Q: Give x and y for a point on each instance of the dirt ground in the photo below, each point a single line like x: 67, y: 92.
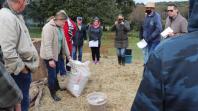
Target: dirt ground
x: 117, y: 82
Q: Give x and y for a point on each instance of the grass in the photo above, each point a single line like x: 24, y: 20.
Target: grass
x: 35, y: 32
x: 107, y: 48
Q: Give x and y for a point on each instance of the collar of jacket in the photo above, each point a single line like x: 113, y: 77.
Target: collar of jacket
x: 52, y: 22
x: 152, y: 14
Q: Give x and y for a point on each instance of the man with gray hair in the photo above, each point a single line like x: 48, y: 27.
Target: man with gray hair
x: 20, y: 55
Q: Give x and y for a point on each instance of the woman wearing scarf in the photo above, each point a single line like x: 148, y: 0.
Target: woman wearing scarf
x: 95, y: 34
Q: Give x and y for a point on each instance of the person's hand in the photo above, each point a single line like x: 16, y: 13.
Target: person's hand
x: 171, y: 34
x: 18, y: 107
x: 25, y: 70
x: 52, y: 64
x: 116, y: 22
x: 69, y: 58
x: 122, y: 23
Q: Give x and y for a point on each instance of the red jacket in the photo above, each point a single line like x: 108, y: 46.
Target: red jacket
x: 67, y: 36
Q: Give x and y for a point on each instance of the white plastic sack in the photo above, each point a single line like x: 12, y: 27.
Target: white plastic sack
x: 79, y: 77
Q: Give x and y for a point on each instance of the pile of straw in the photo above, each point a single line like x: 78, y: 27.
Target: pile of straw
x: 118, y: 83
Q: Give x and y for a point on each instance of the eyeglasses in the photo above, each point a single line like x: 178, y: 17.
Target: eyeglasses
x: 169, y: 10
x: 26, y: 2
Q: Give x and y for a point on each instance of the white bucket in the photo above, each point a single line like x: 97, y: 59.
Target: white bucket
x: 97, y: 101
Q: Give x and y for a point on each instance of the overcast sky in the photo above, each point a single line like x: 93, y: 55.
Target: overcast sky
x: 144, y: 1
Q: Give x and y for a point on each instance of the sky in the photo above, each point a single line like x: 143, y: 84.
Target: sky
x: 144, y: 1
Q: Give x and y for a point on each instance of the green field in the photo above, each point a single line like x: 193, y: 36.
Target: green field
x: 107, y: 47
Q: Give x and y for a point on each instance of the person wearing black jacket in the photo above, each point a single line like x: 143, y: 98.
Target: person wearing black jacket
x: 78, y: 40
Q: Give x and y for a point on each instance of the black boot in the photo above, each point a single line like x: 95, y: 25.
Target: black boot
x: 54, y: 96
x: 119, y: 60
x: 57, y: 86
x: 123, y: 61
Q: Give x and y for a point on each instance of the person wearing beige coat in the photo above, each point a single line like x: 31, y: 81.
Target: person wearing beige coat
x: 49, y: 44
x: 20, y: 55
x: 53, y: 46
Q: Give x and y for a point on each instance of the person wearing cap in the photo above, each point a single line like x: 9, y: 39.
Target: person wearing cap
x: 170, y: 80
x: 20, y: 55
x: 53, y: 44
x: 95, y: 35
x: 175, y: 21
x: 78, y: 39
x: 151, y: 29
x: 122, y: 27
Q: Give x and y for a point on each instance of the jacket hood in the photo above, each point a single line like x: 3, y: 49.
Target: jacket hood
x: 193, y: 16
x: 51, y: 22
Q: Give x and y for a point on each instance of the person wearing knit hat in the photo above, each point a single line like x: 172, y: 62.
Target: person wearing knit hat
x: 170, y: 81
x: 78, y: 39
x: 152, y: 28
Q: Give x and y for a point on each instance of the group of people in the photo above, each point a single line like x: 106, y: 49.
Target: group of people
x: 169, y: 80
x: 61, y: 37
x: 152, y: 27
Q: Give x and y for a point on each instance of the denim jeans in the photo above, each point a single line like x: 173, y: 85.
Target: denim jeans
x: 75, y: 50
x: 52, y: 75
x: 148, y: 50
x: 24, y: 81
x: 121, y: 52
x: 146, y: 54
